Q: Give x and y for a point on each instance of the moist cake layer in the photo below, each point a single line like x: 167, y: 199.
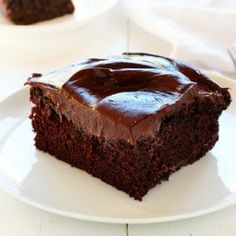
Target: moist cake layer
x: 183, y: 138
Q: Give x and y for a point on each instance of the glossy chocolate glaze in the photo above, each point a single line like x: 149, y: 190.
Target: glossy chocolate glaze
x: 128, y: 96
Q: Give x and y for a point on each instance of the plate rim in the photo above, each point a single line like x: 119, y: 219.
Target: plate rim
x: 225, y: 202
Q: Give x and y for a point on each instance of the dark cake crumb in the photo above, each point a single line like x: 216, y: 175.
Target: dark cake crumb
x: 184, y: 138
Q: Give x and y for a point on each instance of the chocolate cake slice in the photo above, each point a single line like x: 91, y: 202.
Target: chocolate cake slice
x: 130, y: 120
x: 25, y: 12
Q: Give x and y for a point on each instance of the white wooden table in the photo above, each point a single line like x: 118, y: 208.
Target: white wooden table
x: 110, y: 34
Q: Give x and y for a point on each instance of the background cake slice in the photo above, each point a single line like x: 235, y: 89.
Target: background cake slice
x: 24, y: 12
x: 130, y: 120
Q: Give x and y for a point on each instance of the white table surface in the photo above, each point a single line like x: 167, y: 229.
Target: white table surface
x: 110, y: 34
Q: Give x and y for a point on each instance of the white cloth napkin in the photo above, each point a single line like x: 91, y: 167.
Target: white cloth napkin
x: 199, y: 31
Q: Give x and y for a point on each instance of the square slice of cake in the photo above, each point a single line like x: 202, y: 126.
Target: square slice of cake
x: 130, y: 120
x: 25, y: 12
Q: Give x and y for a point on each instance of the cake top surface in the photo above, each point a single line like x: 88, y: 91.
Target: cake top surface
x: 129, y: 89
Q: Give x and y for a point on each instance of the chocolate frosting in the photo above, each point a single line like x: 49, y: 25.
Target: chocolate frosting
x: 125, y: 97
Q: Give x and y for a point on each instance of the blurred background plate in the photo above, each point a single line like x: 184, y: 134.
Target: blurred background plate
x: 96, y: 29
x: 85, y: 10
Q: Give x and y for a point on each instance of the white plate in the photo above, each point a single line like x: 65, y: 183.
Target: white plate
x: 42, y: 181
x: 84, y: 11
